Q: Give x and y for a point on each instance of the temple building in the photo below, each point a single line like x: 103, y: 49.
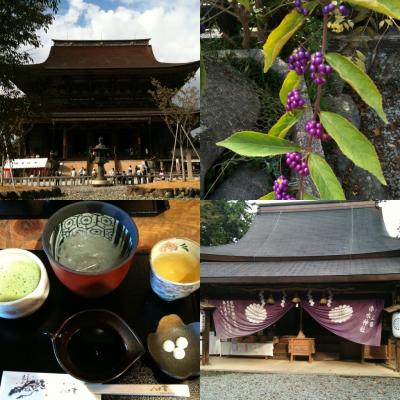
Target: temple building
x: 320, y: 280
x: 91, y: 88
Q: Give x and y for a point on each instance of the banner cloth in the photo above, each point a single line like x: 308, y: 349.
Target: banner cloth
x: 236, y: 318
x: 358, y: 320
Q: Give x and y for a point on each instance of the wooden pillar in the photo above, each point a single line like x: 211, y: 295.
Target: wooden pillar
x: 208, y: 310
x: 150, y: 148
x: 65, y: 144
x: 397, y: 352
x: 189, y: 164
x: 205, y: 357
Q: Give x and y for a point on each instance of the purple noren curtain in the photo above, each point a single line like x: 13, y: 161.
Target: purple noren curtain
x: 235, y: 318
x: 357, y: 320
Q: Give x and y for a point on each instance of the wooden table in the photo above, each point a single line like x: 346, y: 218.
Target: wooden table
x: 301, y: 347
x: 182, y: 219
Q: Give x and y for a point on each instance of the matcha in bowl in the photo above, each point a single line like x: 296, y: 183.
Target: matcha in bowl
x: 24, y: 284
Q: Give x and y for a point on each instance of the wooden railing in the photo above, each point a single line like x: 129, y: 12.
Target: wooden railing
x: 83, y: 180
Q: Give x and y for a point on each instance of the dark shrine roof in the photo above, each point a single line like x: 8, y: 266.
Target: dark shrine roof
x: 336, y: 242
x: 105, y: 54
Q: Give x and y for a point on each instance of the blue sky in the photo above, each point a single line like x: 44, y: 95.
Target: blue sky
x: 173, y: 26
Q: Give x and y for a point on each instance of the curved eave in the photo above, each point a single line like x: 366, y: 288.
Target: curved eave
x: 252, y: 280
x: 161, y: 67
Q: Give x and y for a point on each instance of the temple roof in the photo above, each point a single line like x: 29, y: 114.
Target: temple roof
x: 310, y: 231
x: 105, y: 54
x: 102, y: 74
x: 338, y: 242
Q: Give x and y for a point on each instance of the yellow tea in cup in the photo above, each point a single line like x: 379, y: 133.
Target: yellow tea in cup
x: 177, y: 267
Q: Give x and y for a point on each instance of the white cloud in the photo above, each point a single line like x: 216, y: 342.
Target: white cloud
x: 173, y: 26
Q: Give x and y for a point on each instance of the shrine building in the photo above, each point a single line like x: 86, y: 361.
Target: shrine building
x: 91, y: 88
x: 319, y: 280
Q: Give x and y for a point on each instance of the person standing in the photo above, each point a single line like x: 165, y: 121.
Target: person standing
x: 144, y: 173
x: 139, y: 174
x: 130, y: 178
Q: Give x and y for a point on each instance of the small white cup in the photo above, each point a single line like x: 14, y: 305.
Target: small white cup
x: 31, y: 302
x: 164, y: 288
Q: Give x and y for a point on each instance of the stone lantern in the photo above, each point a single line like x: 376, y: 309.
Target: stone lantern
x: 100, y: 155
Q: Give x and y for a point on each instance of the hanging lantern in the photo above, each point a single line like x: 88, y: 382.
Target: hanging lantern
x: 323, y: 301
x: 396, y: 324
x: 270, y: 300
x: 296, y: 300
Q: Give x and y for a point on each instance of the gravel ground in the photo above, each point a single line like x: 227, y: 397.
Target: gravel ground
x: 247, y: 386
x: 91, y: 193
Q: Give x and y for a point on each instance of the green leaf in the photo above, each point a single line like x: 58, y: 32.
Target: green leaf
x: 281, y: 35
x: 256, y: 144
x: 282, y: 126
x: 309, y: 197
x: 390, y: 8
x: 292, y: 81
x: 203, y: 75
x: 352, y: 143
x: 324, y: 178
x: 268, y: 196
x: 358, y: 80
x: 245, y: 4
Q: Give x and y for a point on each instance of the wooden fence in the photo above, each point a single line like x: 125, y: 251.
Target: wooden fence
x: 84, y: 180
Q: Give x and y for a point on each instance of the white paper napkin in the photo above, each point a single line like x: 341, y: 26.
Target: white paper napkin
x: 43, y: 386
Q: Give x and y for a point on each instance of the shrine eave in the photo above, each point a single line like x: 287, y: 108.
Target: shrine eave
x: 99, y: 115
x: 312, y: 271
x: 41, y: 69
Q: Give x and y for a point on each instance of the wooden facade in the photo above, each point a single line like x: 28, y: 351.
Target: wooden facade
x: 87, y: 89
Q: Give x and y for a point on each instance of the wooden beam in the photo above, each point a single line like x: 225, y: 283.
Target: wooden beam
x: 301, y: 279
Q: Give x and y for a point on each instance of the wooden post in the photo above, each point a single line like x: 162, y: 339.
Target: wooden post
x: 182, y: 159
x: 205, y: 358
x: 65, y: 144
x: 189, y: 164
x: 397, y: 355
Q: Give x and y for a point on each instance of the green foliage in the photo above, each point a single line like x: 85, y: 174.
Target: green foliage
x: 245, y: 4
x: 20, y: 22
x: 256, y: 144
x: 283, y: 125
x: 324, y: 178
x: 280, y: 36
x: 352, y: 143
x: 268, y: 196
x: 349, y: 139
x: 223, y: 222
x: 291, y: 82
x: 391, y: 8
x: 359, y: 81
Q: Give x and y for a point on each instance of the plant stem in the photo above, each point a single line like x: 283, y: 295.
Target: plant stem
x: 317, y: 103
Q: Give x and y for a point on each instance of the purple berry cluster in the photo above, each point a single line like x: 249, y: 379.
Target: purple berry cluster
x: 294, y: 101
x: 319, y: 69
x: 315, y: 128
x: 295, y: 161
x: 344, y: 10
x: 299, y: 8
x: 281, y: 189
x: 328, y: 8
x: 298, y: 61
